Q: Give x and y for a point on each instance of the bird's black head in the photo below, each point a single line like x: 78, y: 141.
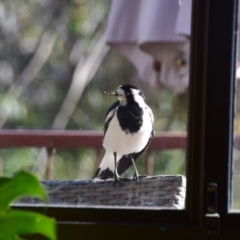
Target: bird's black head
x: 129, y: 94
x: 127, y: 87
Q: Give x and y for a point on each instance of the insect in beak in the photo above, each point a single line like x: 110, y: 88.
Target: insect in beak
x: 111, y: 93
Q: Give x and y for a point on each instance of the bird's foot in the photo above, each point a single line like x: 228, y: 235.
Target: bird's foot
x: 117, y: 180
x: 120, y: 180
x: 135, y: 177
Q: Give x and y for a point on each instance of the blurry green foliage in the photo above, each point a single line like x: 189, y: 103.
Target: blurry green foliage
x: 13, y: 222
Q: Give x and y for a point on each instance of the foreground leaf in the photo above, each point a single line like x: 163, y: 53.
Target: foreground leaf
x: 22, y: 184
x: 3, y: 180
x: 14, y: 223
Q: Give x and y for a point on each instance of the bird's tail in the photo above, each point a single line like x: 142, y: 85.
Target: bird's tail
x: 106, y: 168
x: 107, y: 165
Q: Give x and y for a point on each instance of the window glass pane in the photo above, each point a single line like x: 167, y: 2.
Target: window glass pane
x: 57, y: 59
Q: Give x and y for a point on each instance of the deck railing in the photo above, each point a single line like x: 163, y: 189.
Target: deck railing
x: 55, y: 139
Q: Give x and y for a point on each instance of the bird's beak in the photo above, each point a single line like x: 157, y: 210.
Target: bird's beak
x: 111, y: 93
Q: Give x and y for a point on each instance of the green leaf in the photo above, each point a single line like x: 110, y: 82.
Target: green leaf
x: 14, y: 223
x: 3, y: 180
x: 23, y: 183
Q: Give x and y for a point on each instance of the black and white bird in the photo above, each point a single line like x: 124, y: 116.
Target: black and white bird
x: 128, y: 130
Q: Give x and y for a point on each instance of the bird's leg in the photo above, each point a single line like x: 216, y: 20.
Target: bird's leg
x: 116, y: 176
x: 115, y: 166
x: 136, y: 175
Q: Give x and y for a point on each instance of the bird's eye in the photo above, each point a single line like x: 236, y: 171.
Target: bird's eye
x: 127, y: 93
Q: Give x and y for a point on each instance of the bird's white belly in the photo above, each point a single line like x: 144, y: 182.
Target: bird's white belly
x: 116, y: 140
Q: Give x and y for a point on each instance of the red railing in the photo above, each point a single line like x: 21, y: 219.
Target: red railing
x: 52, y: 139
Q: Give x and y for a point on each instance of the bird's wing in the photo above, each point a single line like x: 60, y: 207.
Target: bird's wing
x: 125, y: 162
x: 110, y: 114
x: 149, y: 110
x: 105, y: 170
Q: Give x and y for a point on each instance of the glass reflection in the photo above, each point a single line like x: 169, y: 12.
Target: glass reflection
x: 53, y: 73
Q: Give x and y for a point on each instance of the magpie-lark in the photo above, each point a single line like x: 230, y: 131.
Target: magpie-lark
x: 128, y: 130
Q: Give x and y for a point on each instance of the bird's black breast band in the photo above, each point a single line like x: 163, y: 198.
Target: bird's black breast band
x: 130, y: 118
